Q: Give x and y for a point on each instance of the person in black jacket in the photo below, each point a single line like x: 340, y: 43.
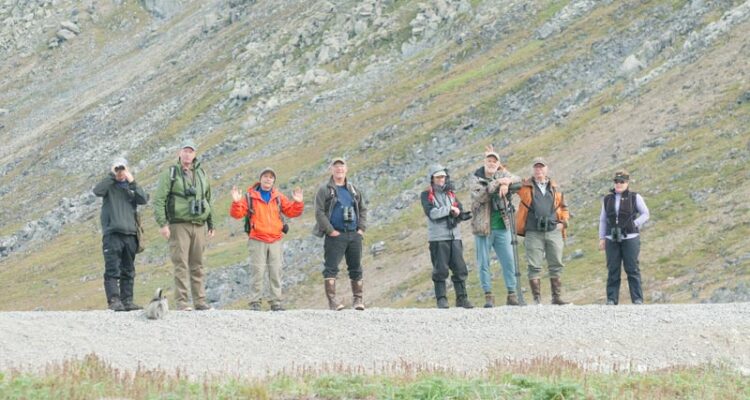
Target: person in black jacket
x: 121, y: 196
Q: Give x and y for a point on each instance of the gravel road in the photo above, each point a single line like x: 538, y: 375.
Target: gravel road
x: 245, y: 343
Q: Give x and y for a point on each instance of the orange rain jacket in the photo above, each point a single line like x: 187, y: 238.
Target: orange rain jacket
x: 266, y: 223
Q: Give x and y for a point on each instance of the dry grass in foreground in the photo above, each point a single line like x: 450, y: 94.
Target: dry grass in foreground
x: 553, y: 379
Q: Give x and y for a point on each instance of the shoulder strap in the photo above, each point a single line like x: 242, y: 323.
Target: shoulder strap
x: 249, y: 204
x: 172, y: 177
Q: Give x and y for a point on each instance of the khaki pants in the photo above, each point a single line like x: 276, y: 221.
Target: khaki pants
x: 541, y: 246
x: 186, y: 244
x: 265, y: 258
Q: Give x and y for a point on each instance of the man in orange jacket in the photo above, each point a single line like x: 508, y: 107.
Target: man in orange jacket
x: 267, y: 228
x: 542, y: 219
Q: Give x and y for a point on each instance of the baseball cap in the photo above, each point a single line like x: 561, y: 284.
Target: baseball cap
x: 539, y: 160
x: 267, y: 169
x: 189, y: 143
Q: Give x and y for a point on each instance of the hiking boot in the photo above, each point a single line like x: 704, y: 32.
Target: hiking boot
x: 116, y: 305
x: 330, y: 288
x: 357, y: 295
x: 556, y: 286
x: 611, y: 303
x: 130, y: 306
x: 536, y: 290
x: 203, y: 307
x: 277, y: 307
x: 512, y: 299
x: 442, y: 302
x: 255, y: 306
x: 638, y: 302
x: 489, y: 300
x: 463, y: 302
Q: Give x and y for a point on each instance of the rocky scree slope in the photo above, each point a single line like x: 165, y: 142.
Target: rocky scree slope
x: 658, y: 87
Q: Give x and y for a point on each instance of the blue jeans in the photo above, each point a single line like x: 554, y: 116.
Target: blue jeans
x: 500, y: 241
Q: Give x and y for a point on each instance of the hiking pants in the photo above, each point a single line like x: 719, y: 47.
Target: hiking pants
x: 265, y: 260
x: 119, y: 258
x: 624, y: 254
x: 445, y: 255
x: 499, y: 240
x: 346, y: 245
x: 187, y: 242
x: 541, y: 246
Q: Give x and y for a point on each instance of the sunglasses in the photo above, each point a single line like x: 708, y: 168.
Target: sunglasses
x: 620, y: 181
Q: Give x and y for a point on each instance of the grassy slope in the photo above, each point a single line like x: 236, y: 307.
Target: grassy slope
x: 681, y: 246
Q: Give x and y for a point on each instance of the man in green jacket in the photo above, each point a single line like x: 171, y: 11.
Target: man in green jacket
x: 182, y: 207
x: 120, y: 199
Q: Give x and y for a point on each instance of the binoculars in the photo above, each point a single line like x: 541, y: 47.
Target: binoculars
x: 190, y: 191
x: 617, y: 235
x: 119, y: 168
x: 349, y: 214
x: 196, y: 207
x: 545, y: 224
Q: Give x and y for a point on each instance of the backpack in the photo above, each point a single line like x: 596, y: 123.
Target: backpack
x: 248, y: 225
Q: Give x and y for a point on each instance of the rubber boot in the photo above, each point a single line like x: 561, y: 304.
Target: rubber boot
x: 126, y: 294
x: 330, y: 287
x: 556, y: 286
x: 536, y: 290
x: 512, y: 299
x: 462, y: 300
x: 112, y: 290
x: 357, y: 294
x: 489, y: 300
x: 441, y: 294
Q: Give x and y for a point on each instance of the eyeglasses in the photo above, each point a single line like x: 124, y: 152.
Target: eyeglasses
x: 620, y: 181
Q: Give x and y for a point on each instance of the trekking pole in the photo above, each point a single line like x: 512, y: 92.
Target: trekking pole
x: 514, y: 243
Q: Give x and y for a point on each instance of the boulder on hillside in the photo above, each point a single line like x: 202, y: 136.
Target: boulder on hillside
x: 631, y: 66
x: 64, y: 34
x: 71, y: 26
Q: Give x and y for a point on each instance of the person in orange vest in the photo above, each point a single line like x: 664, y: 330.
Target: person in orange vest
x: 266, y: 228
x: 542, y: 220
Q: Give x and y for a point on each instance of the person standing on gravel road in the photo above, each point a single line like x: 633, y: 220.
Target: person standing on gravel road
x: 490, y: 225
x: 341, y: 217
x: 264, y: 207
x: 622, y: 216
x: 542, y: 219
x: 444, y: 212
x: 182, y: 208
x: 121, y: 196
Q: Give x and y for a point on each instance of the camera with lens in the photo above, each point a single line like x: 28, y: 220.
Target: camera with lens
x: 349, y: 214
x: 190, y: 191
x: 196, y: 207
x: 617, y: 235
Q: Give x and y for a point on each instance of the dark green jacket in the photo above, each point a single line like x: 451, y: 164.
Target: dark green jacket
x: 119, y: 205
x: 172, y: 202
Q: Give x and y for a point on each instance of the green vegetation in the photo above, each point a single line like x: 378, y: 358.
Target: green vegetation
x: 92, y: 378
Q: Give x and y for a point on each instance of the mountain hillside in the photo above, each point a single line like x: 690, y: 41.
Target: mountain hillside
x: 660, y: 87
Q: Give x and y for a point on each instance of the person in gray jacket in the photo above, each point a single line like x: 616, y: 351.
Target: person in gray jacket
x: 444, y: 212
x: 121, y: 196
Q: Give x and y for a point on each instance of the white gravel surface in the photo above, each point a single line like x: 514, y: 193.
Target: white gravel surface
x: 245, y: 343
